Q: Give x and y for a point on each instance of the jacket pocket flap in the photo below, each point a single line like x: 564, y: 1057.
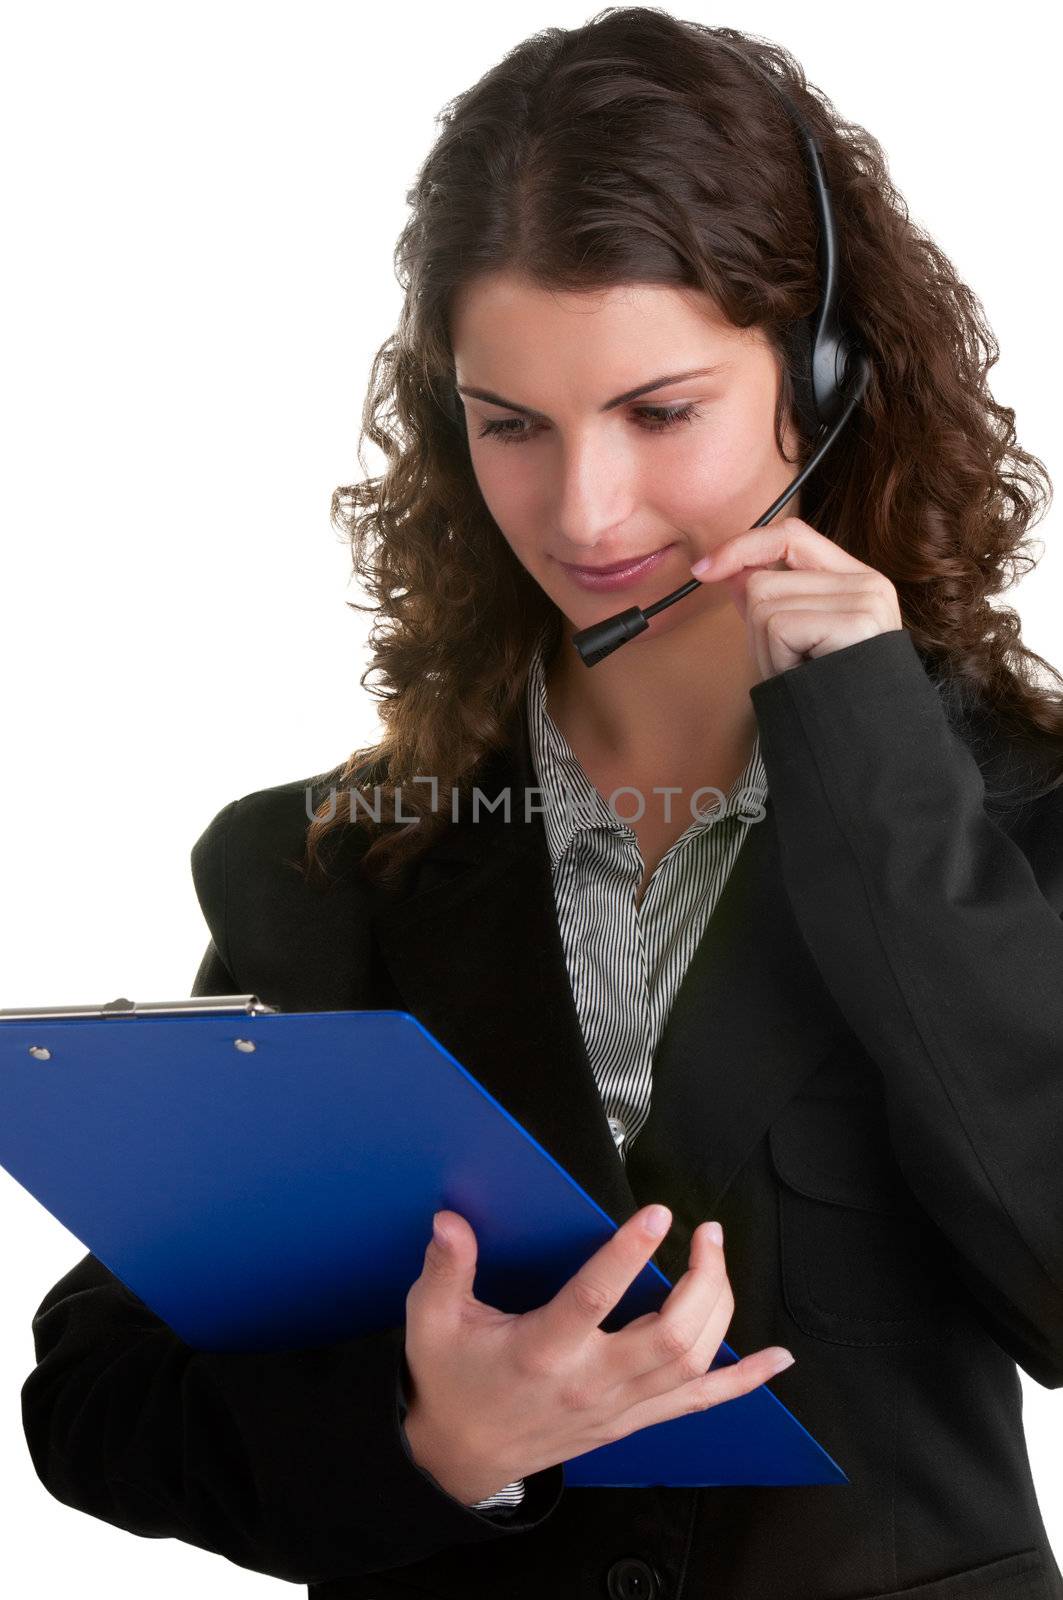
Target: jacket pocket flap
x: 1018, y: 1577
x: 839, y: 1153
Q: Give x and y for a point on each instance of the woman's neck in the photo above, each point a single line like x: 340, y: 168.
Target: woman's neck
x: 666, y: 703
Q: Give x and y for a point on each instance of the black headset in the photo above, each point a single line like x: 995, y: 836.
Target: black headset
x: 831, y: 372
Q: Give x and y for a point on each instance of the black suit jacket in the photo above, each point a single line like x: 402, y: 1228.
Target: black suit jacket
x: 861, y: 1077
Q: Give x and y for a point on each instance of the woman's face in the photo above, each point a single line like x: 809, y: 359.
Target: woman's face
x: 575, y: 476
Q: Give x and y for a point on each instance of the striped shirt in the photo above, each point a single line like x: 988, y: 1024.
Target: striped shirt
x: 625, y: 962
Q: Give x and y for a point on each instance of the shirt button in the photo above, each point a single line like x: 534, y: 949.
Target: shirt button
x: 618, y: 1131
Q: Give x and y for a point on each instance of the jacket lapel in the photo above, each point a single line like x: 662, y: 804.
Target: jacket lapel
x: 472, y: 944
x: 752, y: 1020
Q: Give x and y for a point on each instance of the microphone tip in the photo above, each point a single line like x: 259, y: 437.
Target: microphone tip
x: 602, y: 638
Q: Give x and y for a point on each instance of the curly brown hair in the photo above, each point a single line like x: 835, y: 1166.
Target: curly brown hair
x: 633, y: 149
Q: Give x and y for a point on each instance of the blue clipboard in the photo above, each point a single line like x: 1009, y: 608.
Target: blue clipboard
x: 266, y: 1180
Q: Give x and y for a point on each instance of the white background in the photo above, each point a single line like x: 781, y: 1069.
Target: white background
x: 200, y: 203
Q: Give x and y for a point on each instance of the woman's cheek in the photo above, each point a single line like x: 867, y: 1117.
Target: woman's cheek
x: 506, y: 504
x: 512, y: 499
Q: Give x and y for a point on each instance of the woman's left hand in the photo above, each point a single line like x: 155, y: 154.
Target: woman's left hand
x: 801, y: 595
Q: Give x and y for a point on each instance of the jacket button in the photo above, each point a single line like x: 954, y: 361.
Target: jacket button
x: 632, y: 1579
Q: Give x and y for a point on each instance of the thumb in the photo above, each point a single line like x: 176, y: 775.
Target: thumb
x: 451, y: 1254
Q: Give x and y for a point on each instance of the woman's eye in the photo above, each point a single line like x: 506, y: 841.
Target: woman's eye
x: 652, y: 419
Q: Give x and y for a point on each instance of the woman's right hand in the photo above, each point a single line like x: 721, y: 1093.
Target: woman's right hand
x: 495, y: 1396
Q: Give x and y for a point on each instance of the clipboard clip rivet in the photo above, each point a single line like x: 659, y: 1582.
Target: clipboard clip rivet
x: 244, y: 1044
x: 40, y: 1052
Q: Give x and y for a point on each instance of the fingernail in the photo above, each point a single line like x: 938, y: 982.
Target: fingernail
x: 715, y: 1232
x: 656, y: 1221
x: 440, y: 1235
x: 701, y: 566
x: 782, y: 1360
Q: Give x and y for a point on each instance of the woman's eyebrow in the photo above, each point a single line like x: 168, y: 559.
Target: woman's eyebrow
x: 617, y: 400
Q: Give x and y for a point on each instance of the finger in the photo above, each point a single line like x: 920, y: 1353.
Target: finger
x: 682, y: 1340
x: 649, y: 1342
x: 791, y: 542
x: 625, y: 1346
x: 449, y: 1270
x: 759, y: 581
x: 794, y: 635
x: 753, y: 588
x: 764, y: 601
x: 565, y: 1323
x: 712, y: 1389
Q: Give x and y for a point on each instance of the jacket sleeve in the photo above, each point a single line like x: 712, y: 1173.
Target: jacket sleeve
x: 292, y: 1463
x: 944, y: 951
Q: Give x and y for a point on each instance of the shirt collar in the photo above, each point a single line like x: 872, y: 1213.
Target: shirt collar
x: 571, y: 803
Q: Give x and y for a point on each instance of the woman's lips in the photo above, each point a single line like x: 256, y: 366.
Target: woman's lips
x: 622, y: 576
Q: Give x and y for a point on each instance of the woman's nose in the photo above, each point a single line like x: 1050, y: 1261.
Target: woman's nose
x: 595, y: 490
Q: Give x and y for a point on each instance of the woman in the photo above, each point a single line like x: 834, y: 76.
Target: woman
x: 824, y: 1013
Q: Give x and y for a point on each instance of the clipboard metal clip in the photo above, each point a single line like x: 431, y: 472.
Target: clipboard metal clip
x: 245, y: 1004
